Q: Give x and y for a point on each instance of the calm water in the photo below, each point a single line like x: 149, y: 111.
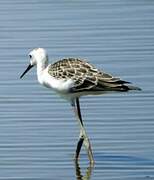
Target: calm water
x: 38, y: 131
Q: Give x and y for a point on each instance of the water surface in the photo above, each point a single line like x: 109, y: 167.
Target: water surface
x: 38, y: 131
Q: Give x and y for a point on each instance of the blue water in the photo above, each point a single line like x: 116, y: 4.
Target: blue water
x: 38, y: 130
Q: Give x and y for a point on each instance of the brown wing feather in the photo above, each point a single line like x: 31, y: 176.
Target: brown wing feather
x: 85, y: 76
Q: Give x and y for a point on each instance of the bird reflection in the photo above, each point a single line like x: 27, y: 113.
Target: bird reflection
x: 79, y: 175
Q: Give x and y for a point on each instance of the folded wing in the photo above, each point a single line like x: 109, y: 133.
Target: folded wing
x: 86, y: 77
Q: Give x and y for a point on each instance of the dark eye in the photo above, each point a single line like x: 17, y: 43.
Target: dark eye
x: 30, y: 56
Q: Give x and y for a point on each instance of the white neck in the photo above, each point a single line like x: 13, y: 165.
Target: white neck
x: 40, y: 68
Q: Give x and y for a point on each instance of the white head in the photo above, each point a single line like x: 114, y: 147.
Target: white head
x: 37, y: 56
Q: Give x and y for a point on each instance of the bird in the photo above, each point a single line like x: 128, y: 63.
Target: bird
x: 73, y: 78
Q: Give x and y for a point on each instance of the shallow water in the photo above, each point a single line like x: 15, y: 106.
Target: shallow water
x: 38, y: 131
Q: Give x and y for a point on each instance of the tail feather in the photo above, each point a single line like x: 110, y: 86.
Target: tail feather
x: 130, y: 87
x: 126, y: 88
x: 115, y: 84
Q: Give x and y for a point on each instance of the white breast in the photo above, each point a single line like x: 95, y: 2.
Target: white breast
x: 59, y: 85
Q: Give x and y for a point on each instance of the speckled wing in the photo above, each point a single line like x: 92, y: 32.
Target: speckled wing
x: 85, y: 76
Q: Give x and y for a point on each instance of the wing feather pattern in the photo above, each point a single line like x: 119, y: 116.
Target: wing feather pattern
x: 86, y: 77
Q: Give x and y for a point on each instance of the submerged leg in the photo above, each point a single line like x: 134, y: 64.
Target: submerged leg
x: 83, y: 138
x: 78, y: 148
x: 86, y: 176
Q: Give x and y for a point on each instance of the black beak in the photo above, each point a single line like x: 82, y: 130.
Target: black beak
x: 28, y: 68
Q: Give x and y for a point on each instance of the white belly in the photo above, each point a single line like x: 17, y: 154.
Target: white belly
x: 59, y: 85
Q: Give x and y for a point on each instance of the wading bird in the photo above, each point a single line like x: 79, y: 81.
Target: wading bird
x: 72, y: 78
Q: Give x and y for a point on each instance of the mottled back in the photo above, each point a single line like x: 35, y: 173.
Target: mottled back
x: 85, y: 76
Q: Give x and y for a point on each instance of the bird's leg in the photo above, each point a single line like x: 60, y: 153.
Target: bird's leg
x: 79, y: 175
x: 83, y: 133
x: 78, y: 148
x: 83, y: 138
